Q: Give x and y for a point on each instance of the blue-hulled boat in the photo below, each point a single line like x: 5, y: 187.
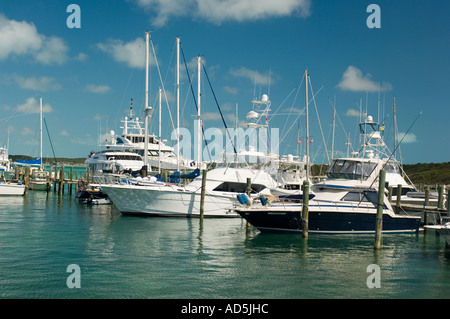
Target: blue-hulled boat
x: 344, y: 203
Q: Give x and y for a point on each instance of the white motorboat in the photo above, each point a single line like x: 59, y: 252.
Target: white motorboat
x: 443, y: 230
x: 222, y: 186
x: 12, y: 189
x: 114, y: 161
x: 39, y: 180
x: 344, y: 203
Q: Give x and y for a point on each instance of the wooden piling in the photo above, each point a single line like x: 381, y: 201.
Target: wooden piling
x: 61, y: 181
x: 27, y: 178
x: 248, y: 191
x: 55, y: 179
x: 249, y: 187
x: 398, y: 204
x: 305, y: 209
x: 448, y: 201
x: 427, y: 196
x: 440, y: 203
x: 202, y: 198
x: 70, y: 180
x: 391, y: 189
x: 380, y: 204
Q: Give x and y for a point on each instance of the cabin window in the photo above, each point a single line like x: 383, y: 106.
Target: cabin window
x: 238, y: 187
x: 123, y: 158
x: 350, y: 169
x: 354, y: 197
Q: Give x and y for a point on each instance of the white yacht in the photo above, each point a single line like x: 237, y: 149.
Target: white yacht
x: 132, y: 139
x: 223, y: 184
x: 114, y: 161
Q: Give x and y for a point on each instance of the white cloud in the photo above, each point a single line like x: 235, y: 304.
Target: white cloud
x: 64, y: 133
x: 353, y: 112
x: 231, y: 90
x: 32, y: 106
x: 22, y: 38
x: 409, y: 138
x: 42, y: 84
x: 26, y: 131
x: 254, y: 76
x: 219, y: 11
x: 53, y: 51
x: 99, y: 89
x: 354, y: 80
x: 132, y: 53
x: 81, y: 56
x: 210, y: 116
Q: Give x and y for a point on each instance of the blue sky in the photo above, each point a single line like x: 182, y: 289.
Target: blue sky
x: 87, y: 76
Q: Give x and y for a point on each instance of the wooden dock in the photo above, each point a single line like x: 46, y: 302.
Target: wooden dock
x: 56, y: 179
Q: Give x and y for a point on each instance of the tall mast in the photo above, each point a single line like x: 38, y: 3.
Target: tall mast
x: 307, y: 126
x: 147, y: 108
x: 159, y: 135
x: 40, y: 131
x: 334, y: 126
x: 178, y: 103
x: 199, y: 124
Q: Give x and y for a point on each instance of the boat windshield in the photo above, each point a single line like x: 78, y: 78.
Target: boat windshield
x: 392, y: 167
x: 348, y: 169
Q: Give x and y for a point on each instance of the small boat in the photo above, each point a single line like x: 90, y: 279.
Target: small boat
x: 12, y: 189
x: 443, y: 230
x: 39, y: 180
x: 91, y: 194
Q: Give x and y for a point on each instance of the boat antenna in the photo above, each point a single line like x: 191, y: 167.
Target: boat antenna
x: 392, y: 153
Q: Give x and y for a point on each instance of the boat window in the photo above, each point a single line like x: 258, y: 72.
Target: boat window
x: 392, y: 168
x: 238, y: 187
x: 350, y: 169
x: 123, y: 157
x: 354, y: 197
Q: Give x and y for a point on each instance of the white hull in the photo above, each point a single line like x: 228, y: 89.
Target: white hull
x: 168, y: 201
x: 39, y: 186
x: 443, y: 230
x: 12, y: 189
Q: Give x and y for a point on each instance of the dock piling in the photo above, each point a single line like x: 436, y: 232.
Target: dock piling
x: 380, y: 204
x: 305, y: 209
x: 202, y: 198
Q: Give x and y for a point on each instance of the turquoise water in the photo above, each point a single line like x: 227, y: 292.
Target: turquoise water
x: 166, y: 258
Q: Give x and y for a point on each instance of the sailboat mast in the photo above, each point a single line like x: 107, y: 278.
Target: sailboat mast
x: 178, y: 104
x: 199, y: 124
x: 147, y: 49
x: 159, y: 135
x: 40, y: 131
x: 307, y: 126
x: 334, y: 127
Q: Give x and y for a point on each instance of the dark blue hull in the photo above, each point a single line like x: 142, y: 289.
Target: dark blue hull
x: 328, y: 222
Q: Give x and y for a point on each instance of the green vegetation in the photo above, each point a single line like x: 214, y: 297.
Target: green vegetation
x: 428, y: 173
x: 425, y: 173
